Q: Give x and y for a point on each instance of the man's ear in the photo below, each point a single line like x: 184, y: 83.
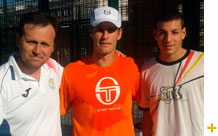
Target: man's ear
x: 120, y: 33
x: 184, y: 32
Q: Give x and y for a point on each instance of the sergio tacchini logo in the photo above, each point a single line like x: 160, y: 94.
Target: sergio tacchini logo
x: 107, y: 12
x: 104, y: 94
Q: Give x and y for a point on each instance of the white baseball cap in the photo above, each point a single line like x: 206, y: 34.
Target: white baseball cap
x: 105, y: 14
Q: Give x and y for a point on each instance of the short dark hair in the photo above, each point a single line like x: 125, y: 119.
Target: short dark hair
x: 169, y: 15
x: 37, y: 18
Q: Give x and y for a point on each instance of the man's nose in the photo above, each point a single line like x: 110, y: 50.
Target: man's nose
x: 105, y: 34
x: 37, y: 49
x: 168, y: 37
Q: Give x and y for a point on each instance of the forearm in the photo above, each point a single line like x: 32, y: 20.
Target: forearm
x: 147, y: 124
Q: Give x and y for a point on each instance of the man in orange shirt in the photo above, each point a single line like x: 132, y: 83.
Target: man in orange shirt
x: 99, y: 89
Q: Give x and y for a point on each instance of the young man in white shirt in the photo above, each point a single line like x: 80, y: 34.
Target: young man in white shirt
x: 172, y: 84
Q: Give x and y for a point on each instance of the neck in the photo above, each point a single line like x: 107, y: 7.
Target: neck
x: 28, y: 70
x: 103, y: 60
x: 172, y: 57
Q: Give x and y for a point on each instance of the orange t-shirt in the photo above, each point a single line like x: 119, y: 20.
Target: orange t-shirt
x: 100, y: 97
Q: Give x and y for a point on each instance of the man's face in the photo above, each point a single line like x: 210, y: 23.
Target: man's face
x: 36, y: 45
x: 105, y: 36
x: 169, y: 36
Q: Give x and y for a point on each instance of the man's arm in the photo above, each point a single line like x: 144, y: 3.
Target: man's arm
x: 147, y: 123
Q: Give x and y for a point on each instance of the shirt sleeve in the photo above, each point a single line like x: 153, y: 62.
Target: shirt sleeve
x: 135, y: 77
x: 144, y: 91
x: 65, y: 101
x: 2, y: 107
x: 136, y: 95
x: 60, y: 72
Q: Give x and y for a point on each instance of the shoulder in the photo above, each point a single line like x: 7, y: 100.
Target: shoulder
x: 126, y: 60
x: 77, y: 65
x: 54, y: 65
x: 127, y: 63
x: 3, y: 66
x: 149, y: 64
x: 4, y: 69
x: 198, y: 52
x: 198, y: 55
